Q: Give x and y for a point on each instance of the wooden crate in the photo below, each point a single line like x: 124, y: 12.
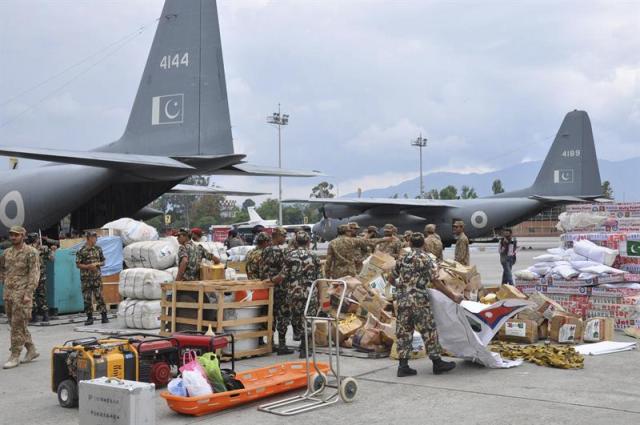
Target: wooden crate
x: 170, y: 305
x: 110, y: 289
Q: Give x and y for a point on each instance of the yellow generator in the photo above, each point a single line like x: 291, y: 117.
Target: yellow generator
x: 89, y: 358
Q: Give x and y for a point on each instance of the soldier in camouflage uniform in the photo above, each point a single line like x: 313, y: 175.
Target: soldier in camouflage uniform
x: 20, y: 272
x: 301, y: 268
x: 462, y: 243
x: 392, y: 244
x: 412, y: 274
x: 40, y: 294
x: 272, y: 263
x: 344, y: 251
x: 190, y: 257
x: 254, y: 258
x: 89, y: 260
x: 432, y: 242
x: 361, y: 251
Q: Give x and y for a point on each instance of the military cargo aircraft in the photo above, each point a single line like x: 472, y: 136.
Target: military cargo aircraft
x: 569, y: 174
x: 179, y: 126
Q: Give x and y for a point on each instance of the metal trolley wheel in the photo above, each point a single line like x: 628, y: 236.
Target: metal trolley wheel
x: 348, y: 389
x: 318, y: 382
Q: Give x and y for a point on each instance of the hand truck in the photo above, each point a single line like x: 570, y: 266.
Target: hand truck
x: 346, y: 388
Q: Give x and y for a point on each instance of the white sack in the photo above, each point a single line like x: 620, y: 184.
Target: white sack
x: 540, y: 270
x: 567, y: 272
x: 548, y: 258
x: 143, y: 284
x: 594, y: 252
x: 602, y: 269
x: 526, y: 275
x: 133, y: 231
x: 159, y: 255
x: 140, y: 314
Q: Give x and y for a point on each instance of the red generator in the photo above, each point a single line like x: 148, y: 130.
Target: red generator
x: 201, y: 343
x: 158, y: 357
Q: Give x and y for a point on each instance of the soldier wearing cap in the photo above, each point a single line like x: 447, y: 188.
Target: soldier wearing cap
x: 406, y: 239
x: 392, y: 245
x: 462, y: 243
x: 271, y: 266
x: 89, y: 260
x: 196, y: 234
x: 432, y: 242
x: 20, y: 271
x: 40, y: 294
x: 254, y: 258
x: 411, y: 277
x: 301, y: 268
x: 190, y: 257
x: 343, y: 253
x: 372, y: 232
x: 361, y: 251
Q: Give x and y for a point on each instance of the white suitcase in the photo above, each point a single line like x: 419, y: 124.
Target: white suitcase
x: 114, y: 401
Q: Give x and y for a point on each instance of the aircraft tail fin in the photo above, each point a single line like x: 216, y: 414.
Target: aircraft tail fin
x: 253, y: 214
x: 181, y: 107
x: 571, y: 166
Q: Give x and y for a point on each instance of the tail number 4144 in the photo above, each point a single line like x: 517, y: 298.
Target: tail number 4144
x: 175, y: 61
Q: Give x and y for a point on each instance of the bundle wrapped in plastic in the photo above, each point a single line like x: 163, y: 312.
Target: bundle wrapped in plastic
x: 143, y: 284
x: 568, y: 222
x: 132, y: 230
x: 216, y: 248
x: 159, y: 255
x: 140, y: 314
x: 594, y: 252
x: 239, y: 253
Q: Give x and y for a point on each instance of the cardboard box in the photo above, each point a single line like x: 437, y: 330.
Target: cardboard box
x: 238, y: 266
x: 519, y: 330
x: 348, y: 327
x: 565, y: 329
x: 598, y: 329
x: 509, y: 291
x: 545, y: 305
x: 543, y: 331
x: 374, y: 266
x: 68, y: 243
x: 212, y: 272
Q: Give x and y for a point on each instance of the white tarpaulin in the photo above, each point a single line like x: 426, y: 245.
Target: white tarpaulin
x: 466, y: 329
x: 605, y: 347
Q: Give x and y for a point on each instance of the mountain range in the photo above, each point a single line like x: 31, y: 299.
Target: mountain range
x: 621, y: 175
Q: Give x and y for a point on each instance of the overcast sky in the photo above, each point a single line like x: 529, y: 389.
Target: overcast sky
x: 488, y: 83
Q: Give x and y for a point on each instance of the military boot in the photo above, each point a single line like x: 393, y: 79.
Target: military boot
x: 283, y: 350
x: 105, y: 319
x: 440, y: 366
x: 31, y: 355
x: 34, y: 317
x: 89, y: 320
x: 45, y: 316
x: 405, y: 370
x: 13, y: 361
x: 305, y: 349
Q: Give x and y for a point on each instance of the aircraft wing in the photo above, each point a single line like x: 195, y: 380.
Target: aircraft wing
x: 567, y: 198
x: 95, y: 159
x: 366, y: 203
x: 244, y: 169
x: 188, y: 189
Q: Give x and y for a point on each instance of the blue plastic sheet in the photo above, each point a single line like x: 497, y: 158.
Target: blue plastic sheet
x: 113, y: 254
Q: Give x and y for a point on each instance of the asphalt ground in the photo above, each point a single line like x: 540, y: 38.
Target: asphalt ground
x: 607, y: 390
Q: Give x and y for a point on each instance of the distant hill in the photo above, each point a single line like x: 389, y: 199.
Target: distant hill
x: 621, y: 174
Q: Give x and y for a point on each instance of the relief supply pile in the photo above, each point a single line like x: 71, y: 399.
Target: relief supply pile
x: 596, y: 270
x: 367, y: 320
x: 148, y: 261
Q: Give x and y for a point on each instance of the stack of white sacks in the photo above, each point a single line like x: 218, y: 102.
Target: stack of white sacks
x: 585, y: 261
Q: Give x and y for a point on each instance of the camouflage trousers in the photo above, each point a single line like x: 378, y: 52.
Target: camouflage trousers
x: 281, y: 310
x: 40, y: 297
x: 414, y: 314
x: 92, y: 289
x: 299, y: 295
x: 19, y: 315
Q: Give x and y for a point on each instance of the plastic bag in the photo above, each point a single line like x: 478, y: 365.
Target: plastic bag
x: 176, y: 387
x: 190, y: 363
x: 211, y: 365
x: 195, y: 383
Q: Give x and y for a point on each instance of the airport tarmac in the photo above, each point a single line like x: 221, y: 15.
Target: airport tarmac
x: 605, y: 391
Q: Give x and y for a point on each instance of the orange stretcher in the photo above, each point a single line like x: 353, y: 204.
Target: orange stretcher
x: 258, y: 383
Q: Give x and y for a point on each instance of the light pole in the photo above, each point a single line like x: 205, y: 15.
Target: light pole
x: 279, y: 119
x: 420, y: 142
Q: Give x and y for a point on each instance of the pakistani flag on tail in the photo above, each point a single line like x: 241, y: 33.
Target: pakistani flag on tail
x: 633, y: 248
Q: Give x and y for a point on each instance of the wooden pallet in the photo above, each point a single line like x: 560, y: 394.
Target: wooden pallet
x: 170, y: 306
